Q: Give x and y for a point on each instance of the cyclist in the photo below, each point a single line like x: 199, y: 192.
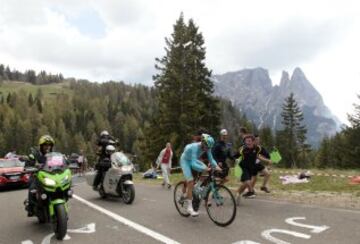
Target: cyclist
x: 190, y: 161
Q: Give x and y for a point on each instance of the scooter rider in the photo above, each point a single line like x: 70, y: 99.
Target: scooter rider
x: 37, y: 158
x: 103, y: 165
x: 104, y: 140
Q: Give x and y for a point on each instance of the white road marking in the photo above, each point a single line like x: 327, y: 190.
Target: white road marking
x: 47, y: 239
x: 314, y: 228
x: 127, y: 222
x: 149, y: 200
x: 246, y: 242
x: 90, y: 228
x: 27, y: 242
x: 267, y: 235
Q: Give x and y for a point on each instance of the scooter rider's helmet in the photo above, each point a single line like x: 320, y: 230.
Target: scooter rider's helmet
x: 110, y: 149
x: 104, y: 133
x: 207, y: 140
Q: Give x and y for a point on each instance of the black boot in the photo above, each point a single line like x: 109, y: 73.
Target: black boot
x: 29, y: 208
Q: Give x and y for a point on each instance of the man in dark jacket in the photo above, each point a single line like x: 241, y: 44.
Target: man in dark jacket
x: 221, y: 152
x: 37, y: 158
x: 103, y: 163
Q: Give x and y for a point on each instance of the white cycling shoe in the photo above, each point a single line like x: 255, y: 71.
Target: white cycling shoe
x: 190, y: 210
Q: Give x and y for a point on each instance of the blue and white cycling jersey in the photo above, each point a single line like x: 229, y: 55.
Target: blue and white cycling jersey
x: 190, y: 159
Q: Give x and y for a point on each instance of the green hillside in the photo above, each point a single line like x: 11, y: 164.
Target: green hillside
x: 48, y: 90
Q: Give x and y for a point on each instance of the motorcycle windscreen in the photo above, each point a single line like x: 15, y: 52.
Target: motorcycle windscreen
x: 55, y: 161
x: 120, y: 159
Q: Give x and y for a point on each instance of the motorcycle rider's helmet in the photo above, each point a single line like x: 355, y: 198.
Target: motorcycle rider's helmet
x: 110, y: 149
x: 46, y: 139
x: 104, y: 133
x: 207, y: 140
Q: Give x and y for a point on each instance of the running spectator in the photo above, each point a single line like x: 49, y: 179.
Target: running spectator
x: 249, y: 153
x: 259, y: 168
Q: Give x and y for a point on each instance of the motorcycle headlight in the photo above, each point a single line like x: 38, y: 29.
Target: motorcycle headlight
x: 49, y: 182
x: 127, y: 168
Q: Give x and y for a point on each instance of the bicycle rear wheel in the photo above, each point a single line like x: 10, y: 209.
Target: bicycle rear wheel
x: 179, y: 199
x: 220, y: 205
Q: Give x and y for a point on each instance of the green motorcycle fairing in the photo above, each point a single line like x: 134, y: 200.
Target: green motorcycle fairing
x: 51, y: 182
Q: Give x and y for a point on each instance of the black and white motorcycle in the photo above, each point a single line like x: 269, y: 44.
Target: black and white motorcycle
x: 117, y: 181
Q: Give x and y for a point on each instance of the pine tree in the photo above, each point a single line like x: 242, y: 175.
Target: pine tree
x: 294, y: 133
x: 354, y: 119
x: 184, y: 88
x: 267, y: 138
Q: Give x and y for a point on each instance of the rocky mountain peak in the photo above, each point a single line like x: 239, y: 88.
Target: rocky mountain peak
x: 251, y: 91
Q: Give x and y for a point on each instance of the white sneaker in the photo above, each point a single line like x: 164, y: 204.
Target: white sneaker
x: 190, y: 209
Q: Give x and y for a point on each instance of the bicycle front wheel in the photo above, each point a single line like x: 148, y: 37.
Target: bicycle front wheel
x: 220, y: 205
x: 179, y: 199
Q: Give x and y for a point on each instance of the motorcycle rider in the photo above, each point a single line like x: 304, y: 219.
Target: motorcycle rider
x: 37, y: 159
x: 103, y: 164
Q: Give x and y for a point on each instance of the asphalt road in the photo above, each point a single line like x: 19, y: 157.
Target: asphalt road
x: 153, y: 217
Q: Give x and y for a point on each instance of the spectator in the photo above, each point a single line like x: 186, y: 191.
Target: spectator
x: 221, y: 152
x: 82, y: 161
x: 11, y: 155
x: 259, y: 168
x: 164, y: 161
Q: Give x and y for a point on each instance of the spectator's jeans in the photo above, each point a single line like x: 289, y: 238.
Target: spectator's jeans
x: 165, y: 172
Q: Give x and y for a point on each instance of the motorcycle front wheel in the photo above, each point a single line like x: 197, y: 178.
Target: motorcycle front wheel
x: 60, y: 222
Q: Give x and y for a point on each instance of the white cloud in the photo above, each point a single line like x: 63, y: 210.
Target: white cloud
x: 320, y: 36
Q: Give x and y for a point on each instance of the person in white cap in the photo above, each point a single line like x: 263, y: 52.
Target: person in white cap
x: 222, y: 151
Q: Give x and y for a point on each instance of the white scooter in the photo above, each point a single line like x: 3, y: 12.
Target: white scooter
x: 117, y: 180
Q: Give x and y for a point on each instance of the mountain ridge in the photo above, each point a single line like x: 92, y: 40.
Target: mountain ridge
x: 253, y: 93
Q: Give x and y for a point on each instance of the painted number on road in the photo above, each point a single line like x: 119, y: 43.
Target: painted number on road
x: 88, y: 229
x: 314, y: 228
x: 267, y: 234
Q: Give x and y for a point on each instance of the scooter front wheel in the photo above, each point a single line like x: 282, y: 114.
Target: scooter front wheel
x: 128, y: 194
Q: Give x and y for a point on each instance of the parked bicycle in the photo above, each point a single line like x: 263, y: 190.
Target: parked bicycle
x: 219, y: 201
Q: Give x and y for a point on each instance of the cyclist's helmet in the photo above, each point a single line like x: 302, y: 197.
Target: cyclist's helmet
x: 208, y: 140
x: 110, y: 149
x: 46, y: 139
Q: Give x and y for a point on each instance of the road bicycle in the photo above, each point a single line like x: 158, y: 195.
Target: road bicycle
x: 219, y: 201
